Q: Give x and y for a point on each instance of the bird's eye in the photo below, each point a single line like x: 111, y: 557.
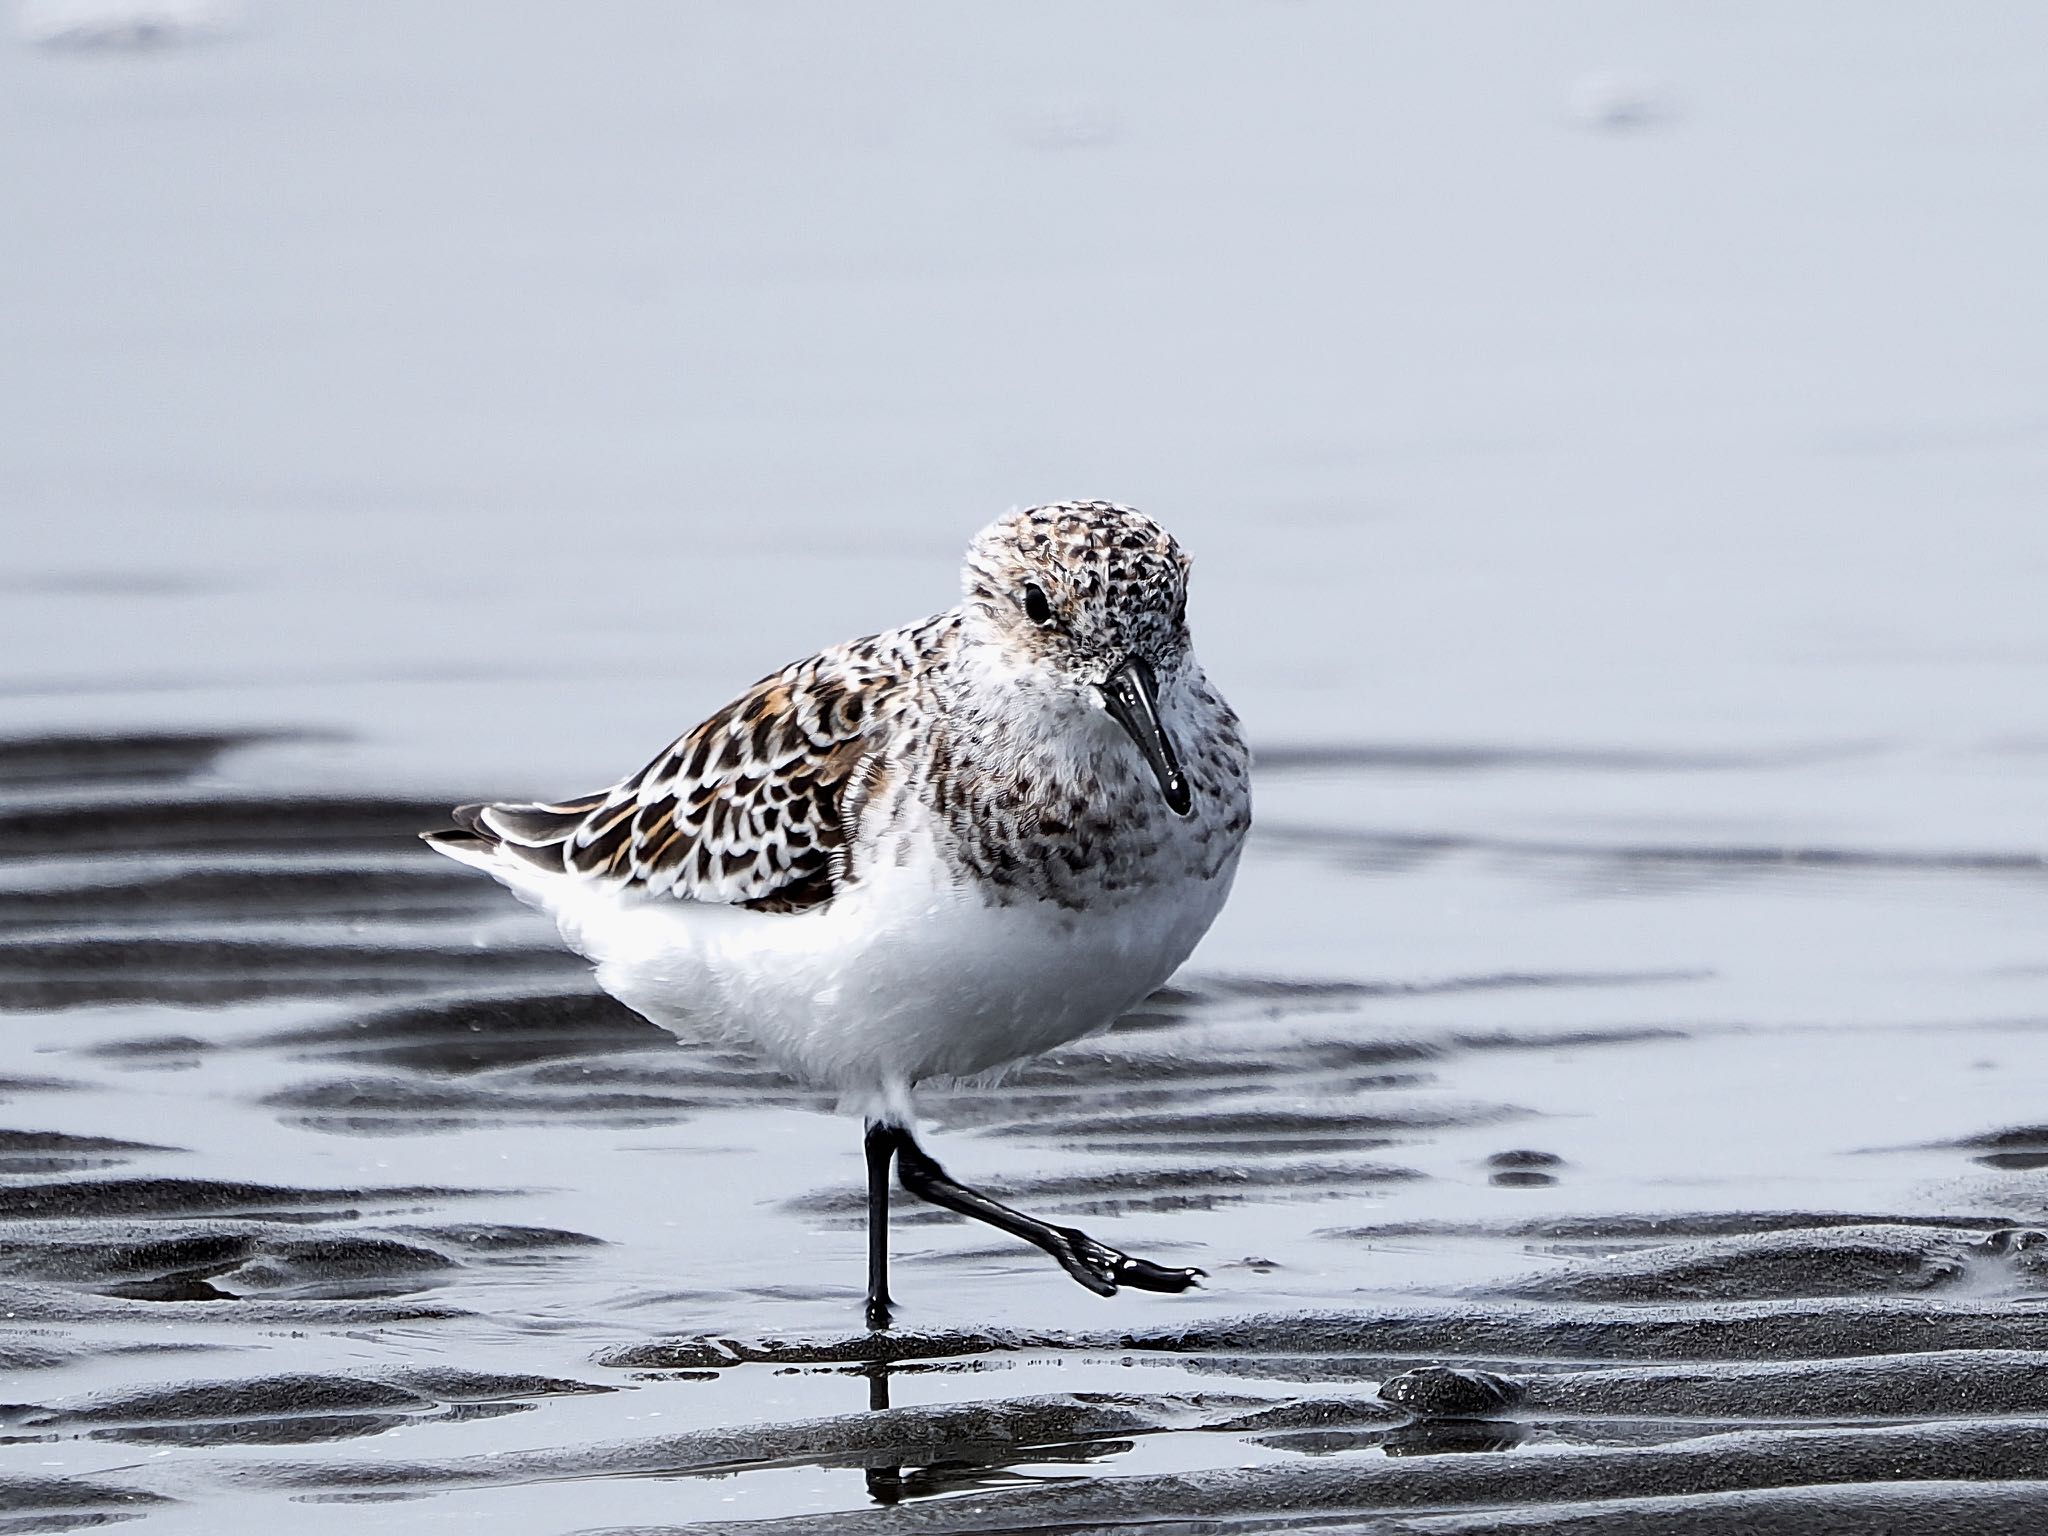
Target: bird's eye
x: 1036, y: 608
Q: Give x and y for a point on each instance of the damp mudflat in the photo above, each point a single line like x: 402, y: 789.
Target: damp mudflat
x: 324, y: 1178
x: 1616, y: 1098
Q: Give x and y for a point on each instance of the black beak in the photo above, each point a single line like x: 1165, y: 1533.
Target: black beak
x: 1131, y: 695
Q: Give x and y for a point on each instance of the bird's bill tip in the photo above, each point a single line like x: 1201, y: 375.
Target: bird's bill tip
x: 1131, y: 695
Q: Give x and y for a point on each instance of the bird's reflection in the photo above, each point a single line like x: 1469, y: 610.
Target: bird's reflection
x: 885, y: 1483
x: 960, y: 1465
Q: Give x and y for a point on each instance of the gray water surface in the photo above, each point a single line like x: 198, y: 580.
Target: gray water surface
x: 1610, y: 441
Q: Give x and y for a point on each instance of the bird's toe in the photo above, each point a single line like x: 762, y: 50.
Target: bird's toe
x: 1147, y: 1276
x: 1089, y: 1262
x: 1105, y: 1270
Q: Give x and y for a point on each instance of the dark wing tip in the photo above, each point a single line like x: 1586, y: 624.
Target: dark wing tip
x: 537, y: 826
x: 471, y: 819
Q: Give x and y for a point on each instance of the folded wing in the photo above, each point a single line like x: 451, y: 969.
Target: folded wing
x: 753, y: 808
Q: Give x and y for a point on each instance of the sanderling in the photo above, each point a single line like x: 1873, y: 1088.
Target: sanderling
x: 925, y: 854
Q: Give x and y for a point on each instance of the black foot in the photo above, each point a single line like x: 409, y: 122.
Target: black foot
x: 879, y: 1312
x: 1104, y: 1270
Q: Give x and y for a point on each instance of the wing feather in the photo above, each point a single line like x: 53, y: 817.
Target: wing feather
x: 752, y: 808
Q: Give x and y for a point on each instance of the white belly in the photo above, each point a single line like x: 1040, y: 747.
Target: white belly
x: 904, y: 977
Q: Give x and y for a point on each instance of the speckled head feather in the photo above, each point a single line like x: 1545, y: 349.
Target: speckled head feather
x: 1081, y: 586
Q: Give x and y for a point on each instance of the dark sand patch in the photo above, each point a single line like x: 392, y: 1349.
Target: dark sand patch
x: 1017, y: 1429
x: 77, y: 1199
x: 164, y: 824
x: 1360, y: 1344
x: 1269, y: 1498
x: 1936, y: 1384
x: 288, y: 1409
x: 1865, y: 1509
x: 131, y: 757
x: 247, y: 895
x: 1840, y: 1261
x: 1396, y: 852
x: 68, y: 972
x: 1631, y: 1228
x: 68, y: 1503
x: 26, y: 1152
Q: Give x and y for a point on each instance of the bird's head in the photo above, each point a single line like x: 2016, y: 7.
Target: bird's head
x: 1091, y: 596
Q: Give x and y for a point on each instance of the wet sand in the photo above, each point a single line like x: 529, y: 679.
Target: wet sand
x: 419, y: 1216
x: 1609, y: 438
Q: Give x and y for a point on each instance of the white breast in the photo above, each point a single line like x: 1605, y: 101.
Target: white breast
x: 906, y: 976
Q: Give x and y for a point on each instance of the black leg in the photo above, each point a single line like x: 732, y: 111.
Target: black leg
x: 1096, y: 1265
x: 881, y: 1147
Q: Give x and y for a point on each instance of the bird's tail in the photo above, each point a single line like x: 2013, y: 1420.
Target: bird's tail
x: 489, y: 837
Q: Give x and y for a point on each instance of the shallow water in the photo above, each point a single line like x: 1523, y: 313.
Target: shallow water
x: 1618, y: 532
x: 319, y: 1185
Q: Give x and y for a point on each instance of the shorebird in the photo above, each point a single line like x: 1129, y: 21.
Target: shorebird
x: 925, y: 854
